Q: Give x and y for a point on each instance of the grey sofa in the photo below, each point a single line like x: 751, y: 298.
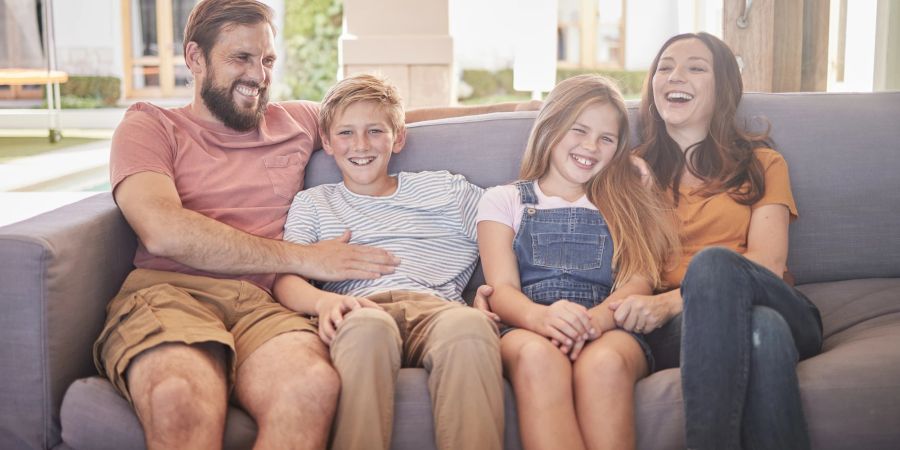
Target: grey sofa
x: 58, y: 270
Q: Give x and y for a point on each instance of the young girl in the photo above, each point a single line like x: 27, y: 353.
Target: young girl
x: 580, y: 228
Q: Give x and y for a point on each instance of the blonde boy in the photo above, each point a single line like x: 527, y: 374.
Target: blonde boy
x: 414, y: 317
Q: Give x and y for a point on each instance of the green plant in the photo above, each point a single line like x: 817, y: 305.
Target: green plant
x: 74, y: 102
x: 311, y: 32
x: 630, y: 81
x: 105, y: 90
x: 488, y: 85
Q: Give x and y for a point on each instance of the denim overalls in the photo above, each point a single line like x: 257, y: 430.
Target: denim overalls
x: 563, y: 253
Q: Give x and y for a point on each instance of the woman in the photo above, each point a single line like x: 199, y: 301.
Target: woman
x: 737, y: 327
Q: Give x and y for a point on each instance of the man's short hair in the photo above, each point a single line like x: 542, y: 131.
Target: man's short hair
x: 209, y: 17
x: 362, y: 88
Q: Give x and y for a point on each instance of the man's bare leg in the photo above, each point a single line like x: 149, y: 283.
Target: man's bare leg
x: 180, y: 395
x: 290, y: 388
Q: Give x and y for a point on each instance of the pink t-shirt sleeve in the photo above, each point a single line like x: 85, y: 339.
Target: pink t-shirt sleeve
x: 141, y: 143
x: 499, y: 204
x: 306, y: 112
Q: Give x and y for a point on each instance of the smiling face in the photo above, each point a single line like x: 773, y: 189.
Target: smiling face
x: 237, y: 74
x: 584, y: 149
x: 684, y: 88
x: 361, y: 140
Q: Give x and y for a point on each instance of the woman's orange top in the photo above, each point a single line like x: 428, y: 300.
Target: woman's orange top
x: 720, y: 221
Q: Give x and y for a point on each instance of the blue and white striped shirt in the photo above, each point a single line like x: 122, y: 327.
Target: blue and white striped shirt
x: 429, y: 223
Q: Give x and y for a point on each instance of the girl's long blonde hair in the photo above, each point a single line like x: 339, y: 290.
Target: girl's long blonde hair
x: 641, y: 222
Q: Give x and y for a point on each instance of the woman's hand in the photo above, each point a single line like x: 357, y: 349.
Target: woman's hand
x: 645, y: 313
x: 644, y: 169
x: 333, y: 308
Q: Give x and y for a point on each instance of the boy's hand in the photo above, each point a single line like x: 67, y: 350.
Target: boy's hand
x: 565, y: 323
x: 481, y: 303
x: 332, y: 310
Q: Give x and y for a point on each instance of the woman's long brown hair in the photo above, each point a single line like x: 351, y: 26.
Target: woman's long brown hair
x: 724, y: 160
x: 640, y: 222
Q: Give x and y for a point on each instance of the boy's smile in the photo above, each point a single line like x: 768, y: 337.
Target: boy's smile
x: 361, y: 140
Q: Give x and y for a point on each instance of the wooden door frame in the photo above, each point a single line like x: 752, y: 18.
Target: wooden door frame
x: 166, y: 61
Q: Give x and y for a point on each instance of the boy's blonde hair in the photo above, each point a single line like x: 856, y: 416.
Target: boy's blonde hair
x: 641, y: 223
x: 362, y: 88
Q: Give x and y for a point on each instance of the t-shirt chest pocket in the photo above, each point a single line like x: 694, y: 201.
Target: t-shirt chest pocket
x: 568, y: 251
x: 285, y: 172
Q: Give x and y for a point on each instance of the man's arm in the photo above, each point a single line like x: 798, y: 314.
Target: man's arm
x: 422, y: 114
x: 151, y: 205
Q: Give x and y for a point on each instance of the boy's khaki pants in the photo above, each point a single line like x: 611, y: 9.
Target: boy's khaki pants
x: 457, y: 345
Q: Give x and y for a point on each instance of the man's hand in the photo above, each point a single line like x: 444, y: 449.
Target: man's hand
x: 645, y: 313
x: 481, y: 303
x: 333, y: 308
x: 337, y: 260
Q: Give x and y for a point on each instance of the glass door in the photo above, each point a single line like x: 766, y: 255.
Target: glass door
x: 154, y: 55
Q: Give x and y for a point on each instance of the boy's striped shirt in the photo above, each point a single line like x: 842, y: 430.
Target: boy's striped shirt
x: 429, y: 223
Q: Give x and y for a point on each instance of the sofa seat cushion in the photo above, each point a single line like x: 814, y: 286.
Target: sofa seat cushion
x: 95, y: 416
x: 851, y: 391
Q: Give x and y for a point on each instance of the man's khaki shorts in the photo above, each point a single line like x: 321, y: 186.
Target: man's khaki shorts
x: 154, y: 308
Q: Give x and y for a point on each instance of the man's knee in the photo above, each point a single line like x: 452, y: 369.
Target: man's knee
x: 178, y: 405
x: 201, y: 364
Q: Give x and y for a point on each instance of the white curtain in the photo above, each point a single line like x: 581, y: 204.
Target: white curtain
x: 20, y: 38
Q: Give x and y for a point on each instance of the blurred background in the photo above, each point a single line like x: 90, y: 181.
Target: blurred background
x: 112, y: 53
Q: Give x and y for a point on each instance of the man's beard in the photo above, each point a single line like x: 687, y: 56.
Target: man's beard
x: 221, y: 103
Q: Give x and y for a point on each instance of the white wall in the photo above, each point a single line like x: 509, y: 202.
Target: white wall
x: 859, y: 54
x: 89, y: 37
x: 648, y: 23
x: 483, y: 33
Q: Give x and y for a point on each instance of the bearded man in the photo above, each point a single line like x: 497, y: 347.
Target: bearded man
x: 206, y: 187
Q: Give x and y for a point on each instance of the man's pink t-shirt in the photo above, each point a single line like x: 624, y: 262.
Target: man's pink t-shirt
x: 243, y: 179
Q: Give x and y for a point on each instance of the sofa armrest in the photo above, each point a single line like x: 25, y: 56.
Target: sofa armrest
x: 57, y: 273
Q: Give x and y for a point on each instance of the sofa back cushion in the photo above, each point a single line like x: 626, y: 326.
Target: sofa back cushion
x: 843, y: 151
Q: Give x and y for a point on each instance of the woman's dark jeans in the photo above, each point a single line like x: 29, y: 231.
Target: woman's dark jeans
x: 738, y: 339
